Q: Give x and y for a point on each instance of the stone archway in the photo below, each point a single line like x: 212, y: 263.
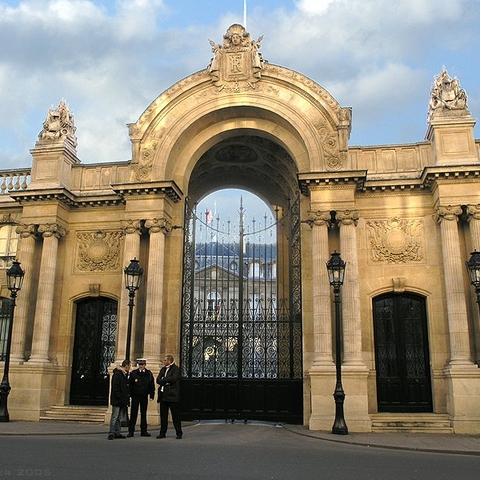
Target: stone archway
x: 261, y: 130
x: 241, y: 346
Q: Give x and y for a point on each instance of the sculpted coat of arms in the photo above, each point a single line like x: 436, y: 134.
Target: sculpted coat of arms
x: 237, y: 63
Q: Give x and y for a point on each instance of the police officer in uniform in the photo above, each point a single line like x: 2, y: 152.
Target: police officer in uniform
x: 142, y: 386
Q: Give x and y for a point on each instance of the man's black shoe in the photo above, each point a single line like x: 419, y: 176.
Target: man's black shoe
x: 161, y: 436
x: 178, y: 437
x: 145, y: 434
x: 120, y: 436
x: 130, y: 434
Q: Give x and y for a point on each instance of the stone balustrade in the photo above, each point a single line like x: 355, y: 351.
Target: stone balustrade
x: 14, y: 180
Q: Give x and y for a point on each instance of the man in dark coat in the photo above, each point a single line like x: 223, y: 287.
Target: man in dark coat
x: 119, y: 398
x: 169, y: 396
x: 142, y: 386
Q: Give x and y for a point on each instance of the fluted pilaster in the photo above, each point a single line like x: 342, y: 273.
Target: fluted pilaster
x: 25, y: 256
x: 352, y: 324
x: 157, y: 228
x: 51, y: 233
x: 453, y: 266
x: 131, y: 249
x: 322, y: 323
x: 474, y: 221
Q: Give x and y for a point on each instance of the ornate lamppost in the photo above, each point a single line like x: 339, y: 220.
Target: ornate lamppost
x: 336, y: 273
x: 14, y: 283
x: 133, y: 275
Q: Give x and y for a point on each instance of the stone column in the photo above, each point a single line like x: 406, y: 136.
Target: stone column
x: 157, y: 229
x: 25, y: 256
x: 131, y: 249
x: 51, y: 232
x: 352, y: 324
x: 322, y: 319
x: 454, y: 267
x: 474, y: 221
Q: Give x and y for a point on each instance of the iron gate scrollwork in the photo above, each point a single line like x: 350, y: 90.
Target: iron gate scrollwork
x: 94, y: 351
x: 241, y: 341
x: 402, y: 353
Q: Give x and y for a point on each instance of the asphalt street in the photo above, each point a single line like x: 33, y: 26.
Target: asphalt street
x: 221, y: 451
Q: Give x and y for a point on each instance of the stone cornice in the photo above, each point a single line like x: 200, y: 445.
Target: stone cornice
x: 65, y: 197
x: 168, y: 188
x: 449, y: 173
x: 424, y: 181
x: 310, y: 180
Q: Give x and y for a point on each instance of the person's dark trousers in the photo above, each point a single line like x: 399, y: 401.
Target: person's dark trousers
x: 177, y: 424
x: 142, y: 402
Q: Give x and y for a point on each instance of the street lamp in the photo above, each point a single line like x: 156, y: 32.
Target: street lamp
x: 473, y: 268
x: 133, y: 275
x: 336, y: 274
x: 14, y: 283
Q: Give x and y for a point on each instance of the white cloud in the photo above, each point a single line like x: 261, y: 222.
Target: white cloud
x: 110, y: 60
x: 314, y: 7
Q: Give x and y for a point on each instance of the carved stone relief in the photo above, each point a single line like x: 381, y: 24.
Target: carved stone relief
x: 98, y: 251
x: 395, y: 240
x: 142, y: 169
x: 59, y: 125
x: 237, y: 63
x: 334, y: 158
x: 446, y: 96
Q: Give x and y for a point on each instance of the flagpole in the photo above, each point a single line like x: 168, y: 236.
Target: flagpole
x: 245, y: 14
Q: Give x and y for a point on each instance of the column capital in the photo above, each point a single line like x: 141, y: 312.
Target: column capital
x: 52, y: 230
x: 347, y: 217
x: 131, y: 226
x: 448, y: 212
x: 473, y: 212
x: 319, y: 218
x: 156, y: 225
x: 26, y: 231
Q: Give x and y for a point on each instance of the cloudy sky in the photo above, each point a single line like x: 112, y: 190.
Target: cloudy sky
x: 109, y: 59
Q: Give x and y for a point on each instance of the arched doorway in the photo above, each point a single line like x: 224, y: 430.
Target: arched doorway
x: 93, y: 351
x: 402, y: 353
x: 241, y: 342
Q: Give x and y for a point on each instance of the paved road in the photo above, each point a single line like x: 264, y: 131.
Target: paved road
x: 223, y: 452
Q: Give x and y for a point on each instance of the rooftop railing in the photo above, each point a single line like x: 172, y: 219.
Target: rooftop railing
x: 14, y: 180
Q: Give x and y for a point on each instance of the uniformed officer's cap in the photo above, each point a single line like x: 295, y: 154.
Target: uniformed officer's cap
x: 141, y: 361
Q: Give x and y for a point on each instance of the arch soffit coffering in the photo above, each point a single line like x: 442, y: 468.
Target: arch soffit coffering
x: 286, y: 107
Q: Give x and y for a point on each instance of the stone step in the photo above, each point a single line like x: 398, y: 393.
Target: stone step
x: 411, y: 423
x: 74, y: 413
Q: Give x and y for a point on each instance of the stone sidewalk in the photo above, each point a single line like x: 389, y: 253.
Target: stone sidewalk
x: 437, y: 443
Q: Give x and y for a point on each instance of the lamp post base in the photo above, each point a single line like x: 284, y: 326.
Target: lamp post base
x: 339, y: 425
x: 4, y: 391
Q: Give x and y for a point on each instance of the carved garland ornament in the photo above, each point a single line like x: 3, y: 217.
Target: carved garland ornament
x: 98, y: 251
x: 395, y: 240
x: 334, y: 159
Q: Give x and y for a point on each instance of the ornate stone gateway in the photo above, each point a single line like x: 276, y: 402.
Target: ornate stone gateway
x: 94, y: 351
x: 241, y: 320
x: 402, y: 356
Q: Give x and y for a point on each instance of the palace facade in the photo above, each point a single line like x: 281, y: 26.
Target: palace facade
x: 252, y: 344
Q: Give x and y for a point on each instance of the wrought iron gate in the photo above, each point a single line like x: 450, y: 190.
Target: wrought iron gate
x: 94, y: 351
x: 241, y: 346
x: 402, y: 354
